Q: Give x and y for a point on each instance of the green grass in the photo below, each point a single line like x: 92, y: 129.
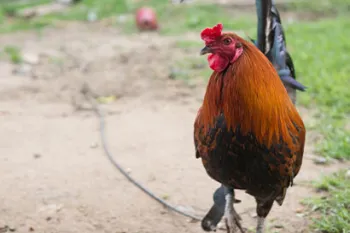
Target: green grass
x: 13, y: 53
x: 195, y: 18
x: 8, y: 23
x: 333, y: 209
x: 78, y: 11
x: 174, y: 18
x: 321, y: 6
x: 11, y: 7
x: 105, y: 8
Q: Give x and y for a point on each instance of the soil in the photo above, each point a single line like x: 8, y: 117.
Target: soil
x: 55, y: 176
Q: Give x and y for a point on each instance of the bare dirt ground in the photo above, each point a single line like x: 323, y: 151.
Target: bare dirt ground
x: 54, y: 175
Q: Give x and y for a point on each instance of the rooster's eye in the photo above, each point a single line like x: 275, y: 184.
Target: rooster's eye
x: 227, y: 41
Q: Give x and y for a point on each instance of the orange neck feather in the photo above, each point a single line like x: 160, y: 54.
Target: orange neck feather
x: 251, y: 94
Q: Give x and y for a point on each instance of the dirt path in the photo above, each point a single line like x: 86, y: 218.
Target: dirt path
x: 55, y: 177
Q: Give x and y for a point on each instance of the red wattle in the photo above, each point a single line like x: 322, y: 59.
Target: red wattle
x: 217, y: 63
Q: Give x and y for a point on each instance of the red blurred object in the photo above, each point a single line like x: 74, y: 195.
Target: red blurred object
x: 146, y: 19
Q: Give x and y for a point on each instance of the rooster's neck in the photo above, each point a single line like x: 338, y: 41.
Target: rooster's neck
x: 251, y: 96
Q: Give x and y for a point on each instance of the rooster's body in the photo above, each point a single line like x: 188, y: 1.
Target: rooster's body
x: 271, y: 41
x: 247, y: 132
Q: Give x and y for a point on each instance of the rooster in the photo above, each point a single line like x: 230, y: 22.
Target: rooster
x: 270, y: 41
x: 247, y: 132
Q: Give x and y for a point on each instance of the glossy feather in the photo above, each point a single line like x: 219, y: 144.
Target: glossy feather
x: 271, y: 40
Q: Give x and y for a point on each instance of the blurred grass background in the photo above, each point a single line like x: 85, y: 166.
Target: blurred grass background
x: 317, y: 37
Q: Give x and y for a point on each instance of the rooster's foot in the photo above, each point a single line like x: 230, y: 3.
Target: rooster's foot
x: 232, y: 219
x: 260, y: 227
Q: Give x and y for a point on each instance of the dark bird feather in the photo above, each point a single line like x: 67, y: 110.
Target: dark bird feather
x: 271, y: 40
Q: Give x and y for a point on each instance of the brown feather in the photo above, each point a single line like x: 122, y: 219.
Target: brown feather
x: 247, y: 131
x: 250, y: 87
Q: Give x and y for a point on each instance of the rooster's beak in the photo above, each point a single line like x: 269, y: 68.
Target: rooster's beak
x: 205, y: 50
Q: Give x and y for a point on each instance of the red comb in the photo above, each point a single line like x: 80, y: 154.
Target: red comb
x: 211, y: 34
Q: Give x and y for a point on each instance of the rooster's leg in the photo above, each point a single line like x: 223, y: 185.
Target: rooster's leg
x: 232, y: 219
x: 262, y: 209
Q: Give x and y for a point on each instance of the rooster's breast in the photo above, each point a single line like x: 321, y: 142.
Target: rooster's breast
x: 235, y: 160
